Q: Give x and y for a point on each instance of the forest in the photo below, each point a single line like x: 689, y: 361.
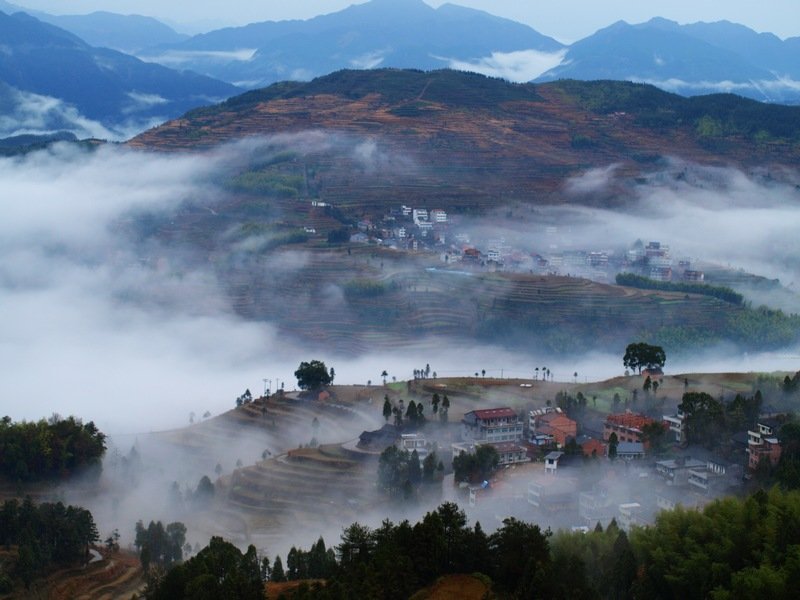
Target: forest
x: 49, y: 449
x: 46, y: 535
x: 734, y: 548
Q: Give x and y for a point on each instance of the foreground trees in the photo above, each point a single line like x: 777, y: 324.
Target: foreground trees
x: 732, y: 549
x: 219, y: 570
x: 45, y: 535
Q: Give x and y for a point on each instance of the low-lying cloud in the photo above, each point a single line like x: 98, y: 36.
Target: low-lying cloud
x: 176, y: 58
x: 137, y: 334
x: 520, y: 66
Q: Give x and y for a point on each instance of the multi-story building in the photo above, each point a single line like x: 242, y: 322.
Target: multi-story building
x: 491, y: 425
x: 550, y: 426
x: 763, y: 443
x: 627, y: 426
x: 676, y: 471
x: 677, y: 425
x: 438, y: 216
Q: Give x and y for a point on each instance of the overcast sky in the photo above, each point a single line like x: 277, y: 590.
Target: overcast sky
x: 566, y: 20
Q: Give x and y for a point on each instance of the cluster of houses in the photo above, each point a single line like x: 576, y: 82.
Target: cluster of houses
x: 420, y: 229
x: 571, y: 492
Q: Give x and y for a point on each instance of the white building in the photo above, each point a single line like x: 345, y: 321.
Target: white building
x: 438, y: 216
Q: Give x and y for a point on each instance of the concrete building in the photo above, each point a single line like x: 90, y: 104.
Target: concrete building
x: 763, y: 443
x: 491, y: 425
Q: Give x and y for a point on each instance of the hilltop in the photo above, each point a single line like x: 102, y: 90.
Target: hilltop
x: 473, y: 140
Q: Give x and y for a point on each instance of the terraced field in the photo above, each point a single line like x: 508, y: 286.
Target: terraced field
x: 515, y: 143
x: 311, y: 485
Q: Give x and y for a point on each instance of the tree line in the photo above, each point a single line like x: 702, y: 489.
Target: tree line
x: 734, y: 548
x: 45, y: 535
x: 49, y: 449
x: 725, y: 294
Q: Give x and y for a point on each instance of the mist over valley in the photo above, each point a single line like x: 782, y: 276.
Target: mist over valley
x: 382, y: 315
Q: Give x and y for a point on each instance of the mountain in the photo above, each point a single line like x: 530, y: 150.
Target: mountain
x: 385, y: 33
x: 701, y: 58
x: 126, y: 33
x: 352, y: 147
x: 475, y: 139
x: 48, y: 70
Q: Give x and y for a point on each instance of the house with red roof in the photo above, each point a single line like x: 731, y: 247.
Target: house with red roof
x: 491, y: 425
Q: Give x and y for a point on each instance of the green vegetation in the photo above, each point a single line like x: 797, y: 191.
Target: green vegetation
x: 50, y: 449
x: 640, y: 356
x: 158, y: 545
x: 219, y: 570
x: 734, y: 548
x: 712, y: 116
x: 476, y: 467
x: 267, y: 182
x: 467, y: 90
x: 312, y: 375
x: 364, y: 288
x: 45, y: 535
x: 722, y: 293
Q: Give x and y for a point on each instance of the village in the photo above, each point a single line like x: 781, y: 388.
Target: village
x: 576, y: 473
x: 436, y: 232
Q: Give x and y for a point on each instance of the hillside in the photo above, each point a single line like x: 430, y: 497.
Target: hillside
x: 363, y: 143
x: 473, y: 140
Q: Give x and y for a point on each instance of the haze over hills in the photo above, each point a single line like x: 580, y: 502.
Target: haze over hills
x: 126, y: 33
x: 500, y: 155
x: 52, y: 80
x: 385, y: 33
x: 700, y: 58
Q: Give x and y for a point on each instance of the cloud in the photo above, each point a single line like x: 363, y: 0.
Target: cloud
x: 768, y: 88
x: 520, y: 66
x: 593, y: 180
x: 28, y: 113
x: 370, y: 60
x: 102, y: 318
x: 176, y: 58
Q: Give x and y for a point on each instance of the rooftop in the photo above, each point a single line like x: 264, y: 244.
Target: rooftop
x: 629, y: 419
x: 493, y: 413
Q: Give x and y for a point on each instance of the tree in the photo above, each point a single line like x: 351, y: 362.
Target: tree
x: 312, y: 375
x: 705, y: 417
x: 384, y: 374
x: 640, y: 355
x: 277, y: 570
x: 613, y: 442
x: 387, y: 408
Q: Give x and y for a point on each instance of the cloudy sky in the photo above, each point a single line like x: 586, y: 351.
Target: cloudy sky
x: 566, y: 20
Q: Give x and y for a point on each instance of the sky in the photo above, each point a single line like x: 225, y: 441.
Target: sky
x: 566, y: 20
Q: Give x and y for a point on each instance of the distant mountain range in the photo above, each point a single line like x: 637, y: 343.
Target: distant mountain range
x: 700, y: 58
x: 126, y: 33
x: 51, y: 80
x: 380, y: 33
x: 68, y: 72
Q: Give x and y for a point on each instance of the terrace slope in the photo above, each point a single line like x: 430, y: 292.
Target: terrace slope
x: 474, y: 141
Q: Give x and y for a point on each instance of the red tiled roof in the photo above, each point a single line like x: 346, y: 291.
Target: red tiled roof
x: 631, y: 420
x: 493, y: 413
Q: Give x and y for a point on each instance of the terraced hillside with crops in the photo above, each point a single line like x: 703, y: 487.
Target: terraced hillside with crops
x: 354, y: 146
x: 473, y: 142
